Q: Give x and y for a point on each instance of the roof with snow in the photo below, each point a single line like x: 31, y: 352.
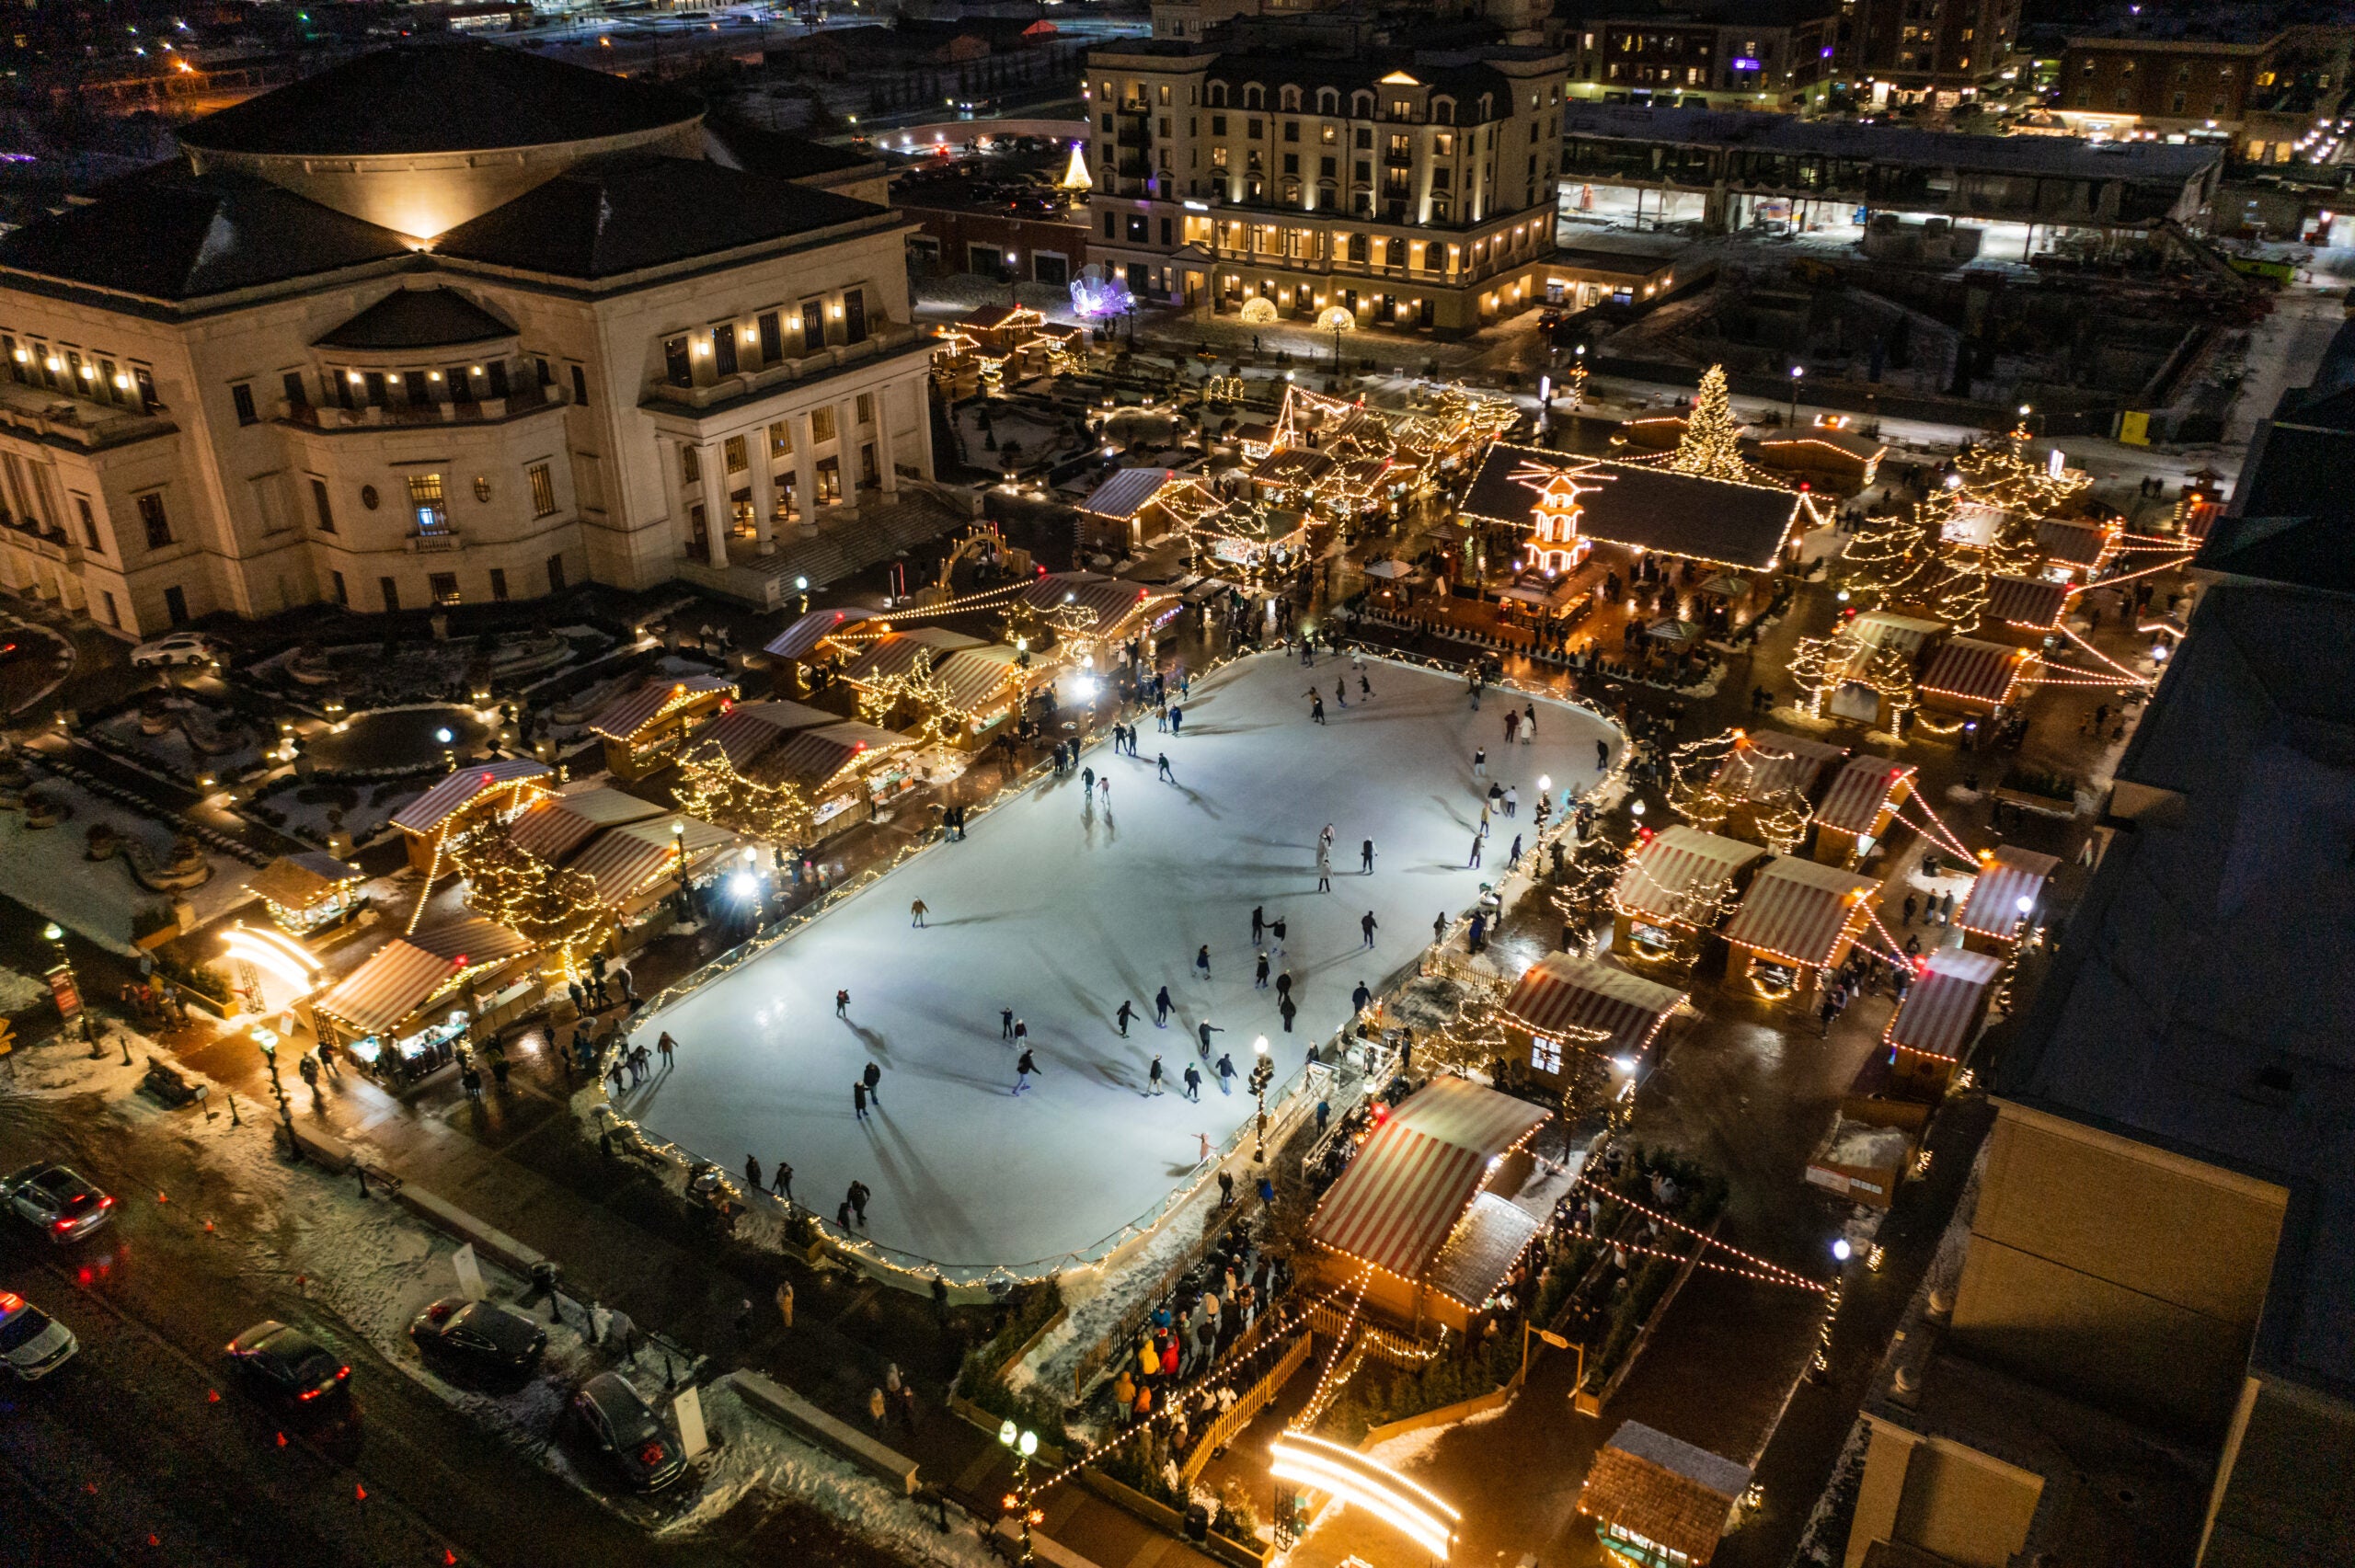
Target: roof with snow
x: 1681, y: 873
x: 1663, y: 1489
x: 800, y: 639
x: 813, y: 758
x: 299, y: 881
x: 1127, y: 491
x: 1860, y: 792
x: 1715, y: 521
x: 2009, y: 874
x: 625, y: 859
x: 1943, y: 1003
x: 460, y: 790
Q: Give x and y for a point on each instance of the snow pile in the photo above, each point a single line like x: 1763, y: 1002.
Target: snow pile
x: 47, y: 870
x: 19, y: 991
x: 1864, y: 1148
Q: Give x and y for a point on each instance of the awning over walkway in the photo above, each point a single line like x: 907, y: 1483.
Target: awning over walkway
x: 556, y: 825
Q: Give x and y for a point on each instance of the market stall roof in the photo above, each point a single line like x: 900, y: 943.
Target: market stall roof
x: 1110, y: 599
x: 1886, y: 628
x: 556, y: 825
x: 475, y: 938
x: 1724, y: 585
x: 2005, y: 877
x: 1766, y: 761
x: 626, y: 715
x: 800, y: 639
x: 1664, y: 1489
x: 977, y: 677
x: 1821, y: 449
x: 1859, y: 791
x: 1935, y: 1018
x: 1481, y: 1250
x: 399, y: 977
x: 2029, y: 602
x: 813, y: 757
x: 1563, y: 992
x: 621, y: 861
x: 460, y: 789
x: 1293, y: 465
x: 1402, y: 1195
x: 1680, y: 634
x: 2079, y: 544
x: 897, y: 654
x: 1797, y: 909
x: 1973, y: 671
x: 300, y: 881
x: 1680, y: 868
x: 1537, y: 591
x: 746, y: 730
x: 1127, y: 492
x: 1717, y: 520
x: 1388, y: 568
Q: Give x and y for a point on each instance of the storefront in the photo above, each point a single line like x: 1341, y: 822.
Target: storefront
x: 643, y: 727
x: 1798, y: 920
x: 420, y: 999
x: 309, y: 895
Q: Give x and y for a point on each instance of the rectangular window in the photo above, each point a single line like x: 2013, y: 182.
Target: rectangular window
x: 866, y: 475
x: 821, y: 423
x: 114, y: 616
x: 1164, y: 237
x: 543, y: 489
x: 1545, y: 1055
x: 855, y: 315
x: 427, y: 504
x: 444, y: 586
x: 158, y: 526
x: 813, y: 324
x: 498, y: 584
x: 322, y: 505
x: 1139, y: 232
x: 1108, y: 221
x: 781, y: 438
x: 556, y: 574
x: 497, y: 378
x: 242, y: 397
x: 678, y: 366
x: 392, y: 593
x: 176, y: 605
x: 580, y: 384
x: 413, y: 383
x: 723, y: 348
x: 540, y: 368
x: 298, y: 395
x: 772, y: 338
x: 1218, y: 125
x: 1292, y: 130
x: 1251, y: 129
x: 16, y: 358
x: 866, y: 408
x: 89, y: 522
x: 375, y: 385
x: 342, y: 594
x: 461, y: 382
x: 733, y: 453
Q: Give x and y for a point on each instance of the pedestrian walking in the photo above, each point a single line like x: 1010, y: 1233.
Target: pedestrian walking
x: 1206, y: 1029
x: 1829, y: 1011
x: 1341, y: 691
x: 1202, y: 960
x: 1086, y: 783
x: 858, y: 1098
x: 1365, y: 858
x: 1259, y: 922
x: 1023, y: 1069
x: 1323, y: 871
x: 1512, y: 726
x: 1128, y: 1010
x: 1481, y: 763
x: 753, y: 1173
x: 1512, y: 856
x: 785, y: 1301
x: 1908, y: 907
x: 1021, y: 1035
x: 1006, y: 1022
x: 1177, y: 719
x: 874, y: 1076
x: 1360, y: 997
x: 666, y: 1044
x: 781, y: 1182
x: 1225, y: 1074
x: 841, y: 1004
x: 1512, y: 801
x: 1477, y: 838
x: 1152, y: 1077
x: 916, y: 913
x: 1603, y: 755
x: 1193, y: 1077
x: 1368, y: 925
x: 1290, y: 1011
x: 858, y: 1197
x: 1528, y: 723
x: 1283, y: 985
x: 1161, y: 1009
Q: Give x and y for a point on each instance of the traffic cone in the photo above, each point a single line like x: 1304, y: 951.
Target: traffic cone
x: 212, y: 1396
x: 359, y: 1492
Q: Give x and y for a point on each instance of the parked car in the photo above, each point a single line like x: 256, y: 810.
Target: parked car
x: 32, y: 1343
x: 481, y: 1337
x: 65, y: 1206
x: 288, y: 1363
x: 180, y: 648
x: 624, y: 1429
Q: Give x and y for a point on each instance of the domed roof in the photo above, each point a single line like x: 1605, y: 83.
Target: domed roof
x: 454, y: 96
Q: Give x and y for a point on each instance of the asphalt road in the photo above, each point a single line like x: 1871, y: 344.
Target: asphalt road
x: 127, y: 1456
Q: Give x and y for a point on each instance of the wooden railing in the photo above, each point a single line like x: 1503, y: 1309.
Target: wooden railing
x: 1238, y: 1416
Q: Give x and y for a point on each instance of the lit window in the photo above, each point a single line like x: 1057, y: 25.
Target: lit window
x: 543, y: 489
x: 425, y: 499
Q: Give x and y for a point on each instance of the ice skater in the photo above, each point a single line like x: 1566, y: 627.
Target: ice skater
x: 1477, y: 839
x: 858, y: 1098
x: 1161, y: 1009
x: 1206, y: 1029
x: 1087, y: 783
x: 1225, y: 1074
x: 1006, y: 1022
x: 1365, y: 858
x: 874, y: 1077
x: 1202, y: 960
x: 1104, y: 793
x: 1481, y: 763
x: 1023, y: 1067
x: 1021, y: 1035
x: 1315, y: 705
x: 1128, y: 1010
x: 1365, y: 687
x: 1177, y: 720
x: 1603, y: 755
x: 1512, y: 801
x: 916, y: 913
x: 842, y: 1003
x: 1369, y: 925
x: 1161, y: 769
x: 1341, y: 691
x: 1153, y: 1078
x: 1276, y: 929
x: 1528, y: 725
x: 1259, y: 978
x: 1324, y: 869
x: 1259, y: 922
x: 1194, y: 1086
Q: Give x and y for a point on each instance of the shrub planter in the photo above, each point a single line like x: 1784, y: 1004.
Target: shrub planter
x: 1166, y: 1519
x: 1592, y: 1403
x: 1051, y: 1454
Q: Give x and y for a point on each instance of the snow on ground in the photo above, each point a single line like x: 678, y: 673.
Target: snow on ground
x: 1059, y: 913
x: 19, y: 991
x: 45, y: 868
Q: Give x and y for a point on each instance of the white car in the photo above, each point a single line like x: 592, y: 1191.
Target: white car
x: 180, y: 648
x: 32, y: 1343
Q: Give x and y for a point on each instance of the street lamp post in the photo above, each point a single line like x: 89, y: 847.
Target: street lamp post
x: 1797, y: 371
x: 1336, y: 351
x: 1024, y: 1443
x: 54, y: 934
x: 268, y: 1041
x: 1263, y: 1072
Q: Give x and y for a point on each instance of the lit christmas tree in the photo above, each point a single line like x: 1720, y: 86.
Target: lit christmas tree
x: 1892, y: 559
x: 710, y: 788
x: 551, y: 908
x: 2003, y: 474
x: 1708, y: 447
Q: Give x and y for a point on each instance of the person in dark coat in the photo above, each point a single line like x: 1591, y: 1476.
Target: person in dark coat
x: 1161, y: 1009
x: 858, y: 1099
x: 1023, y: 1069
x: 874, y: 1076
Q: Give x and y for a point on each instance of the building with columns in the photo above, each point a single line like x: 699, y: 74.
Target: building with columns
x: 447, y: 324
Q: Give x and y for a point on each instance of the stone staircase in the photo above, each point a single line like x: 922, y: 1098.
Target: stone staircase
x: 884, y: 527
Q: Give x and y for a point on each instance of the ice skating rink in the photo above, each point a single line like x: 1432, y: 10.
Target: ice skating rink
x: 1059, y: 913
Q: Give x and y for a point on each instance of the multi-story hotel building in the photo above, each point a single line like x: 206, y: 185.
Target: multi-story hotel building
x: 1409, y: 189
x: 447, y: 324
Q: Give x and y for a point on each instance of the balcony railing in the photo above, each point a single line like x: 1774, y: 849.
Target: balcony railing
x: 887, y: 337
x: 423, y: 543
x: 368, y: 415
x: 42, y: 415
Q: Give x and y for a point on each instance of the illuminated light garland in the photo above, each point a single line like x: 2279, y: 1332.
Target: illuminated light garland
x: 1709, y: 448
x: 1324, y: 1465
x: 1789, y: 1276
x: 1936, y: 829
x: 2114, y: 579
x: 1790, y: 1281
x: 2089, y: 647
x: 1328, y: 1385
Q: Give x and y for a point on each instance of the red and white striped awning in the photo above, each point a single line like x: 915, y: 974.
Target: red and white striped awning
x: 812, y: 758
x: 746, y: 730
x: 437, y: 805
x: 1798, y: 911
x: 1562, y: 992
x: 556, y: 825
x: 1973, y: 671
x: 799, y: 640
x: 1404, y: 1193
x: 399, y: 977
x: 2084, y: 545
x: 1860, y: 792
x: 1764, y: 762
x: 2007, y: 876
x: 622, y: 718
x: 625, y: 859
x: 977, y: 677
x: 2029, y: 602
x: 1942, y: 1006
x: 1680, y: 871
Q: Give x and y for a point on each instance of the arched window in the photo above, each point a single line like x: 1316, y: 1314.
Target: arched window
x: 1253, y: 96
x: 1218, y: 95
x: 1488, y: 108
x: 1288, y: 97
x: 1329, y: 100
x: 1362, y: 106
x: 1443, y: 111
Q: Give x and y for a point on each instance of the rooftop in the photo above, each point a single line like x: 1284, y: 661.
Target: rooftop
x: 433, y: 318
x: 440, y: 97
x: 1709, y: 519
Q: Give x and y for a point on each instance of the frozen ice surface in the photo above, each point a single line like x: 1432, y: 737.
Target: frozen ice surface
x: 1059, y: 913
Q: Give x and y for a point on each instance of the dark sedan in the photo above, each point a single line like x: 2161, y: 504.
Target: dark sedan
x: 65, y: 1206
x: 626, y: 1430
x: 287, y: 1362
x: 481, y: 1337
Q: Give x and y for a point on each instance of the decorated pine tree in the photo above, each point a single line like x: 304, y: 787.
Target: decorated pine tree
x: 1708, y: 445
x: 1889, y: 560
x: 710, y: 788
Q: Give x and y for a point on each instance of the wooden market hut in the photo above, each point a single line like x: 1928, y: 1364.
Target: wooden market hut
x: 1991, y: 918
x: 1678, y: 883
x: 1128, y: 509
x: 643, y: 726
x: 1115, y: 609
x: 1716, y: 523
x: 999, y: 330
x: 309, y: 893
x: 807, y: 643
x: 476, y: 795
x: 1857, y: 809
x: 555, y: 826
x: 2079, y: 550
x: 1798, y: 915
x: 1419, y: 1204
x: 1659, y: 1501
x: 638, y: 863
x: 1855, y: 699
x: 1562, y: 997
x: 846, y: 771
x: 1832, y: 461
x: 2026, y: 610
x: 1942, y: 1013
x: 1766, y: 765
x: 400, y: 1014
x: 1971, y: 679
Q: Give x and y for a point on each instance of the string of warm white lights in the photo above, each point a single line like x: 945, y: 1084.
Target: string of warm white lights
x: 1328, y: 1384
x: 1793, y: 1281
x: 1616, y: 1196
x: 2105, y: 658
x: 1936, y: 829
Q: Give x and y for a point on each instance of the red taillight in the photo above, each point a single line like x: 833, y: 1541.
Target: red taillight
x: 310, y: 1394
x: 62, y: 1225
x: 651, y: 1454
x: 107, y: 1202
